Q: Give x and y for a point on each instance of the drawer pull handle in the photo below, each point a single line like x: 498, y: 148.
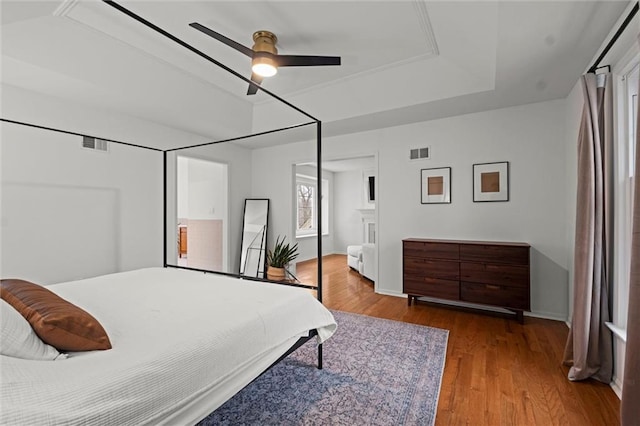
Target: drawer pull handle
x: 492, y: 287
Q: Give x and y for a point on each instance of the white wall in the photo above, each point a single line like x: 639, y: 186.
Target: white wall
x: 111, y: 219
x: 207, y: 190
x: 273, y: 178
x: 182, y: 185
x: 531, y: 137
x: 348, y: 198
x: 70, y: 213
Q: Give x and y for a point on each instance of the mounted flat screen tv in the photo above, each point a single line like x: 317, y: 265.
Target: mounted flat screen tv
x: 372, y: 188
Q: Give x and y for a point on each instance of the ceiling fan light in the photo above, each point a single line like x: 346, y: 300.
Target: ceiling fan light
x: 264, y: 66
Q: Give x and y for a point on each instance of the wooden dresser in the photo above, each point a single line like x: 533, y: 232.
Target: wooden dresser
x: 483, y: 272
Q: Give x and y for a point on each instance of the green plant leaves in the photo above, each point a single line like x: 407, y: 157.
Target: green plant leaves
x: 282, y: 253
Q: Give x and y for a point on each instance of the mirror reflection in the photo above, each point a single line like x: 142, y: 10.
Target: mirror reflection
x: 254, y: 238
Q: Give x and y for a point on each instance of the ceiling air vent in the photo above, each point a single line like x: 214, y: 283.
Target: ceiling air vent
x: 95, y: 144
x: 419, y: 153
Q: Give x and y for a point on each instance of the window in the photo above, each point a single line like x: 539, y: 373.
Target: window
x: 306, y: 199
x: 306, y: 206
x: 627, y: 112
x: 632, y: 101
x: 628, y: 149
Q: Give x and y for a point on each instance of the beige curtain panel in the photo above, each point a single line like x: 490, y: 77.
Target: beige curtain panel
x: 630, y: 407
x: 589, y: 349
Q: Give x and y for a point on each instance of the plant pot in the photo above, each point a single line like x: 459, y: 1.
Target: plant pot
x: 275, y: 274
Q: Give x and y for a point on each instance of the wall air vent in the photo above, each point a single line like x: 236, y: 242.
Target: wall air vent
x: 95, y: 144
x: 419, y: 153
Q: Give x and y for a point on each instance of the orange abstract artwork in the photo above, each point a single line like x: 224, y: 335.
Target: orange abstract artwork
x: 435, y: 185
x: 490, y: 182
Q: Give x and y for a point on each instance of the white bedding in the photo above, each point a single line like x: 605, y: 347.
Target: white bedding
x: 183, y: 343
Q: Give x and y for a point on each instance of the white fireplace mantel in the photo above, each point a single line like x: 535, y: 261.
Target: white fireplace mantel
x: 367, y: 213
x: 369, y: 225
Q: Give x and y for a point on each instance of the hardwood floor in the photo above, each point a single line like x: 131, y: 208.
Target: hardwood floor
x: 497, y: 372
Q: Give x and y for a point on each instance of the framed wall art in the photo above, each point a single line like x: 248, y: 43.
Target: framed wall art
x: 435, y: 185
x: 491, y: 182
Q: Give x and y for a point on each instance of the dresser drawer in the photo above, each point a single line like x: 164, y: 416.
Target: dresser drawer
x: 432, y: 287
x: 431, y: 250
x: 497, y: 295
x: 489, y: 273
x: 514, y: 255
x: 444, y: 269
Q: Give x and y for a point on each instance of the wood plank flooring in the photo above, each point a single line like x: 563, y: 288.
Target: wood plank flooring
x: 497, y: 372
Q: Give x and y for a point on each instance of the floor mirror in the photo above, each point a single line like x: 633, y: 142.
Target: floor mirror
x: 254, y: 237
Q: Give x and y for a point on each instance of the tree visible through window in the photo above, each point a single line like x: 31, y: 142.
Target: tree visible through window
x: 306, y: 201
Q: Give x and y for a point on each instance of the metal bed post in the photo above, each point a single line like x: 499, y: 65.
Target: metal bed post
x: 182, y: 43
x: 319, y: 210
x: 164, y: 200
x: 165, y: 172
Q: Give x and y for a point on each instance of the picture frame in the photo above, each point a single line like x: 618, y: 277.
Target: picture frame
x: 491, y: 182
x: 435, y: 185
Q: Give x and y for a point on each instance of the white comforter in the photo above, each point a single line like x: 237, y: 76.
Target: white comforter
x: 183, y: 343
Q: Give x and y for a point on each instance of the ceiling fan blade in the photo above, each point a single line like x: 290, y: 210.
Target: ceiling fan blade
x: 305, y: 61
x: 226, y: 40
x: 253, y: 88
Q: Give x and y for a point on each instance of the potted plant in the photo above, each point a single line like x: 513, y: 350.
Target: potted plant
x: 278, y: 259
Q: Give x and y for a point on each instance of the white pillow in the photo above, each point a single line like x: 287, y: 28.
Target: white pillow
x: 17, y: 338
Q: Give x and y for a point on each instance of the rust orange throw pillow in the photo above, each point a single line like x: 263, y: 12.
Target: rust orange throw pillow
x: 57, y: 322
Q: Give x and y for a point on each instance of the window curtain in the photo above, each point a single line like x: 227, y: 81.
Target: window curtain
x: 589, y: 348
x: 630, y: 407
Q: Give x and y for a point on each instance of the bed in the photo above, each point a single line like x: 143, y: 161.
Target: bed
x: 183, y: 342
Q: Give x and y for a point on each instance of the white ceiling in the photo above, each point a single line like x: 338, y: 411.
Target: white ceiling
x: 402, y: 60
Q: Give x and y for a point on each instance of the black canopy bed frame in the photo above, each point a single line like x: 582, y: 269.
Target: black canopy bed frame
x: 312, y: 121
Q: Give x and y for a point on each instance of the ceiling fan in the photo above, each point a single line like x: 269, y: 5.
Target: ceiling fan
x: 264, y: 55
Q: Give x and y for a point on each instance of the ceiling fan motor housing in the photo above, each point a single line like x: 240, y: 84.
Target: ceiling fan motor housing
x: 265, y: 41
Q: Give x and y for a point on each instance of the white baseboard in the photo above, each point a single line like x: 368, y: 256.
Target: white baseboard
x: 547, y: 315
x: 391, y: 293
x: 616, y: 385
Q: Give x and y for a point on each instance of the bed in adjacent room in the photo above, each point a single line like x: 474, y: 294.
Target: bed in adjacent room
x: 183, y: 342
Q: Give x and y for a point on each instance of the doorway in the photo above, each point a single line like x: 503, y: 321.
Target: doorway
x: 349, y: 199
x: 202, y: 213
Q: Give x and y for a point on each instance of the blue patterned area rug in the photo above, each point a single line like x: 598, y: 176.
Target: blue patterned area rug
x: 376, y: 372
